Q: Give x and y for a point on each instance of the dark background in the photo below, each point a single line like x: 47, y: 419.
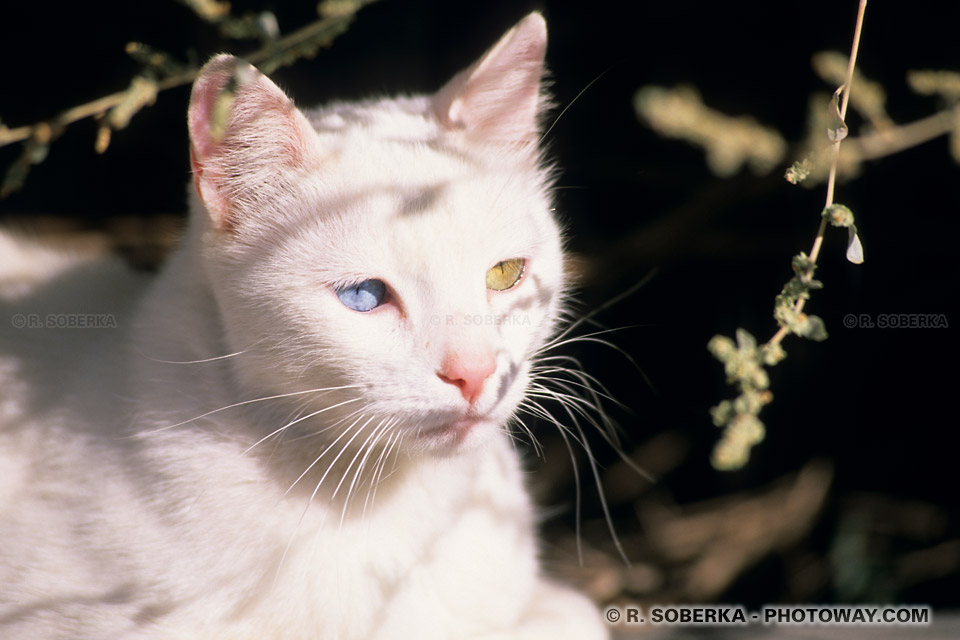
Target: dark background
x: 877, y: 404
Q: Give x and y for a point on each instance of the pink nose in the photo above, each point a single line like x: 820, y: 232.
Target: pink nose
x: 468, y: 371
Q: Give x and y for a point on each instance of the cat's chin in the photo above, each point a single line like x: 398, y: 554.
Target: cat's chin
x: 452, y: 436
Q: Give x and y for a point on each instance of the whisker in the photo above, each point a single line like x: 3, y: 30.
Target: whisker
x: 316, y: 489
x: 248, y: 402
x: 366, y: 448
x: 333, y: 463
x: 578, y: 494
x: 204, y: 360
x: 583, y: 406
x: 537, y: 447
x: 584, y: 380
x: 609, y: 303
x: 320, y: 432
x: 591, y: 460
x: 537, y: 410
x: 588, y: 337
x: 607, y: 431
x: 323, y: 453
x: 300, y: 419
x: 378, y: 466
x: 570, y: 104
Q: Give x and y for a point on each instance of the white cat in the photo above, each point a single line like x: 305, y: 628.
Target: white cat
x: 296, y: 430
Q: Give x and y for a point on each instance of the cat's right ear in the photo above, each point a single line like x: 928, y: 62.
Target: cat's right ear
x: 244, y: 131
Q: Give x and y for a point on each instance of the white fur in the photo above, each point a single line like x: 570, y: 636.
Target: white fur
x: 149, y: 487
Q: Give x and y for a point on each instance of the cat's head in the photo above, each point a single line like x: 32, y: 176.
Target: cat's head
x: 400, y: 253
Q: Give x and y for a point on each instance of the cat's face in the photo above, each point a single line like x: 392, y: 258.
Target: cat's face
x: 399, y: 253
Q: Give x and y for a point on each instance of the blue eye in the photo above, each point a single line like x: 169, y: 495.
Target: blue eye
x: 363, y: 296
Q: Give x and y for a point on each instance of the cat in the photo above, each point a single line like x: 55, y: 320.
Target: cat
x: 298, y: 428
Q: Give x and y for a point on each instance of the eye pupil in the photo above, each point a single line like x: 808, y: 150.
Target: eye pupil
x: 363, y: 296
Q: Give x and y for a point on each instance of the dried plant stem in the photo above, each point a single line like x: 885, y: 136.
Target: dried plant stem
x: 832, y: 177
x: 87, y: 110
x: 321, y: 31
x: 881, y: 144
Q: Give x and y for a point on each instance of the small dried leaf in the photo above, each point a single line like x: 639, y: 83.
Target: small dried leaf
x: 813, y: 328
x: 142, y: 92
x: 103, y: 139
x: 854, y: 248
x: 955, y: 136
x: 838, y: 215
x: 721, y: 347
x: 733, y: 450
x: 38, y: 153
x: 944, y: 83
x: 33, y: 153
x: 220, y: 114
x: 799, y: 171
x: 269, y: 26
x: 42, y: 133
x: 772, y: 353
x: 337, y: 8
x: 837, y: 134
x: 209, y: 10
x: 154, y: 60
x: 745, y: 340
x: 837, y: 131
x: 728, y: 142
x: 722, y: 413
x: 868, y: 99
x: 262, y: 26
x: 801, y: 263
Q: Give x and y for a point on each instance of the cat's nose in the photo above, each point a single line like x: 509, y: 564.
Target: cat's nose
x: 468, y: 370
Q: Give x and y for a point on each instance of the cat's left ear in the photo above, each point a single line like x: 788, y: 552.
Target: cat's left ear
x: 498, y: 98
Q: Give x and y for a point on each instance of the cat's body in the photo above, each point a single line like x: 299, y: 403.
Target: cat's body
x: 245, y: 451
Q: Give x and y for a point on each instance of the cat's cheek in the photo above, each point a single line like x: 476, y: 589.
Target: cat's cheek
x: 375, y: 332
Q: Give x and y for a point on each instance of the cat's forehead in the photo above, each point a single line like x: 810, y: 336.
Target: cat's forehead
x: 396, y: 210
x: 401, y: 166
x: 399, y: 193
x: 393, y: 118
x: 400, y: 138
x: 441, y: 214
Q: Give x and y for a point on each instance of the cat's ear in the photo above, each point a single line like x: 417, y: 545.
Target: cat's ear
x: 244, y: 133
x: 498, y: 98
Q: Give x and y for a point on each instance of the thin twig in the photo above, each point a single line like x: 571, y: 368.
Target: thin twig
x: 881, y: 144
x: 832, y: 178
x: 329, y: 27
x: 847, y: 89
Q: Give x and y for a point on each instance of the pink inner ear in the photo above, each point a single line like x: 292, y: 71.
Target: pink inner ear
x: 498, y: 97
x: 207, y: 174
x: 206, y: 90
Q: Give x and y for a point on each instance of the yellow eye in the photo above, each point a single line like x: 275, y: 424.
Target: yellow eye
x: 505, y: 274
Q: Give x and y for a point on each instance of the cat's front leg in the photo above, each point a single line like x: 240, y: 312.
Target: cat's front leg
x: 556, y: 612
